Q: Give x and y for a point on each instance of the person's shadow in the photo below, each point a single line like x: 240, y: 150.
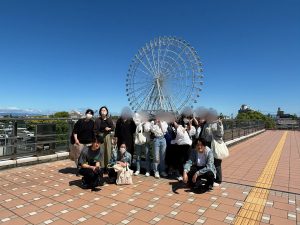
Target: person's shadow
x: 177, y: 185
x: 68, y: 170
x: 78, y: 183
x: 198, y: 188
x: 75, y: 183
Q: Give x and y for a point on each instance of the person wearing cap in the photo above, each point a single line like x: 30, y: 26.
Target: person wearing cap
x: 89, y: 164
x: 83, y: 133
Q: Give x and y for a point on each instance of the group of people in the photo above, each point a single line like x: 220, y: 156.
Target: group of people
x: 170, y: 145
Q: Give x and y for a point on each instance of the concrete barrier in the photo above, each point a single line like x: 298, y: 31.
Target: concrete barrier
x: 25, y: 161
x: 237, y: 140
x: 4, y: 164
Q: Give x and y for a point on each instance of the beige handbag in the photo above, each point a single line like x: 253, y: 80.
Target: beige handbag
x: 124, y: 175
x: 139, y: 136
x: 75, y: 151
x: 220, y: 150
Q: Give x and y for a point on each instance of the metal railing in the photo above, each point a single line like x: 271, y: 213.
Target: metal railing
x: 236, y: 128
x: 41, y: 136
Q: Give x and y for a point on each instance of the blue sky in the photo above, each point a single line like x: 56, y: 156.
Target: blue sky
x: 61, y: 55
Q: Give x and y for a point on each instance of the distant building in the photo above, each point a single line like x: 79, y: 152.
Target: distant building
x: 286, y: 121
x: 244, y: 108
x: 75, y: 115
x: 281, y: 114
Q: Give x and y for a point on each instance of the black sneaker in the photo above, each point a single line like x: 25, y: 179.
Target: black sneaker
x: 208, y: 188
x: 83, y: 183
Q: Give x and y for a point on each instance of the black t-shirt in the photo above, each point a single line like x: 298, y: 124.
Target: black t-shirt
x: 101, y: 124
x: 90, y: 157
x: 84, y: 130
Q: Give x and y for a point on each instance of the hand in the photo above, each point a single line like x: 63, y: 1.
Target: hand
x: 107, y: 129
x: 77, y: 142
x: 96, y: 169
x: 185, y: 177
x: 189, y: 126
x: 195, y: 178
x: 93, y: 168
x: 123, y: 164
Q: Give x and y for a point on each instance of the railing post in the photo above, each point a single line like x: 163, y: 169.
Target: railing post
x: 15, y: 139
x: 232, y: 127
x: 238, y: 127
x: 70, y: 130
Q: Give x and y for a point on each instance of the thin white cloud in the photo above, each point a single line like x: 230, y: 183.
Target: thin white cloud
x: 13, y: 109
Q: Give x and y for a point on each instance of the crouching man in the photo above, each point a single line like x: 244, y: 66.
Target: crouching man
x: 200, y: 165
x: 89, y: 164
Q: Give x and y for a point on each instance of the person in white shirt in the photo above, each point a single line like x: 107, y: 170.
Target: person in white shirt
x: 200, y: 165
x: 142, y: 141
x: 159, y: 128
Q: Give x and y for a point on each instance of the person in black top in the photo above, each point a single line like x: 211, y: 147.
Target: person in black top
x: 104, y: 126
x: 84, y: 128
x: 89, y: 163
x: 125, y: 129
x: 83, y: 133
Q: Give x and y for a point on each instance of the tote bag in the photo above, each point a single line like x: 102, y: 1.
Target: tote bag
x: 124, y: 176
x: 139, y: 136
x: 220, y: 150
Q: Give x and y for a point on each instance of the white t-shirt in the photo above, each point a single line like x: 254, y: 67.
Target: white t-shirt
x: 158, y: 132
x: 201, y: 159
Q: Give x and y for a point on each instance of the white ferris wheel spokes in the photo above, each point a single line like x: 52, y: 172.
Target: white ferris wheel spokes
x: 165, y: 74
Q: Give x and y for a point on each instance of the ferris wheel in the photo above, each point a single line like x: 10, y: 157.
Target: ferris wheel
x: 165, y: 75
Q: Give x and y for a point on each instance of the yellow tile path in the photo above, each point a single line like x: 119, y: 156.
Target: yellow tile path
x: 252, y: 210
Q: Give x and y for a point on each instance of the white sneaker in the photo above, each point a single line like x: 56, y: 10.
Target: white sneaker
x: 216, y: 184
x: 136, y: 173
x: 156, y: 175
x: 147, y: 174
x: 163, y: 174
x: 180, y: 178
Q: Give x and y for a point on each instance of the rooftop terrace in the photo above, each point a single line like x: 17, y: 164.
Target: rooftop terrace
x: 261, y: 186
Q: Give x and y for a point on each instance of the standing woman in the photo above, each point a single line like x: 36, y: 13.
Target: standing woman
x: 142, y: 141
x: 83, y: 133
x: 213, y: 129
x: 103, y: 127
x: 159, y: 129
x: 125, y: 130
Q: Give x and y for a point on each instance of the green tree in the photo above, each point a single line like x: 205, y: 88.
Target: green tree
x: 62, y: 114
x: 255, y: 115
x: 62, y: 127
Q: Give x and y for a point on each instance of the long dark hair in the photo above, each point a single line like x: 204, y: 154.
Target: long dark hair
x: 104, y: 107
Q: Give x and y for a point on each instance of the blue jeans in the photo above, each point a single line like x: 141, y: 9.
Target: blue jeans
x: 138, y: 150
x: 160, y: 146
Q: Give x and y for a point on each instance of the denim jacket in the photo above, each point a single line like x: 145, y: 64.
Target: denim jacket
x: 116, y: 156
x: 209, y: 162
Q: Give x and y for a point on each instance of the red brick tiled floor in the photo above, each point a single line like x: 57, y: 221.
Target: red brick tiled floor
x: 50, y: 194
